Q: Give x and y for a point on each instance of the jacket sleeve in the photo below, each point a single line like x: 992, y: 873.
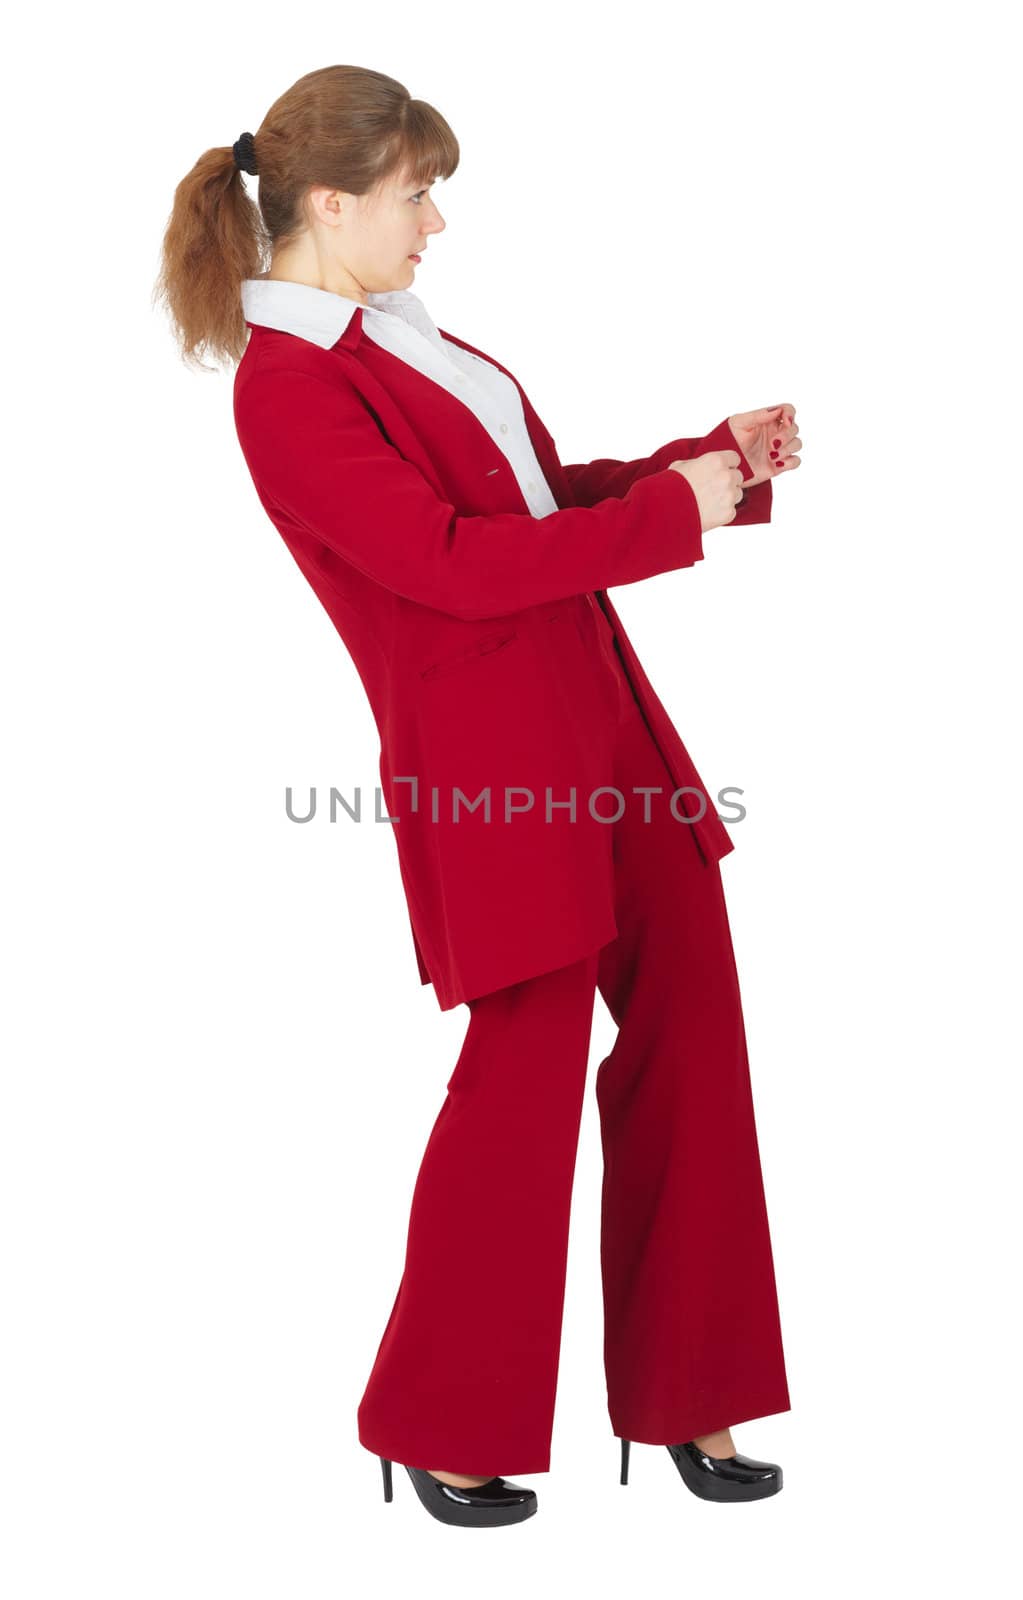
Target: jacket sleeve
x: 323, y: 467
x: 591, y: 481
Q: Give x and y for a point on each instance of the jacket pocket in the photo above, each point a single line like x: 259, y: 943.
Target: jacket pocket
x: 468, y: 654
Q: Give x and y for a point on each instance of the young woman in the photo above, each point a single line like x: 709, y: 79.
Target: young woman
x: 553, y: 835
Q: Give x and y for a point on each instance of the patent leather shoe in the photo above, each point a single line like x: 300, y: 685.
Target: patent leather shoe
x: 727, y: 1479
x: 488, y: 1505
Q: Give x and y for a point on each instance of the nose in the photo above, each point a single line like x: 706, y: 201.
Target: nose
x: 436, y: 223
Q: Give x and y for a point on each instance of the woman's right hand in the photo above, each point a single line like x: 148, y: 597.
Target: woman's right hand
x: 716, y: 480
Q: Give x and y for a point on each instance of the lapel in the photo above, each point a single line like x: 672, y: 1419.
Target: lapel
x: 381, y: 401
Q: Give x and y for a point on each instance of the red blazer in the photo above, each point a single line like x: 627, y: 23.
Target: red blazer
x: 409, y: 524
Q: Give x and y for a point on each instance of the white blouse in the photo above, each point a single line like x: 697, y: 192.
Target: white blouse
x: 398, y: 321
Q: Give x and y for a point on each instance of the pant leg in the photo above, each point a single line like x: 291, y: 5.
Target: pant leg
x: 692, y: 1339
x: 465, y: 1376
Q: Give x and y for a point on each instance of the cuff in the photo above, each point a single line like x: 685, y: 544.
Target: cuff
x: 722, y: 438
x: 755, y: 505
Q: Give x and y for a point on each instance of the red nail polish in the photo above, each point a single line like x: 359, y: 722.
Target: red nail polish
x: 777, y: 442
x: 773, y: 454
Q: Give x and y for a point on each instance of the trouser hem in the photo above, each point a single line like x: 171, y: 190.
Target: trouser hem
x: 696, y: 1424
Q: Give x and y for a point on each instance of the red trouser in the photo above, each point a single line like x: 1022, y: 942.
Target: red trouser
x: 465, y: 1375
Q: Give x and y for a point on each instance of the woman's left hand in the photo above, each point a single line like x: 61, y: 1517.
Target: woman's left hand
x: 769, y: 441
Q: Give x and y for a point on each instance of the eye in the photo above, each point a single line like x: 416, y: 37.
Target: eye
x: 418, y: 197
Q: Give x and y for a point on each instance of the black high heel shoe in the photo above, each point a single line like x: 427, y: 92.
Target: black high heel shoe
x: 490, y: 1505
x: 721, y: 1478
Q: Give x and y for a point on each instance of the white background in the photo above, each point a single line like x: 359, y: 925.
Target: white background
x: 220, y: 1067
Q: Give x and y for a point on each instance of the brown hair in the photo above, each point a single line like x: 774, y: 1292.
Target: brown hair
x: 346, y: 128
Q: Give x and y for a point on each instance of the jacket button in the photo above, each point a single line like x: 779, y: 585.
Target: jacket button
x: 504, y: 427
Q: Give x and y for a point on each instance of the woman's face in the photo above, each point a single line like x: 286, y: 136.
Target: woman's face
x: 380, y: 233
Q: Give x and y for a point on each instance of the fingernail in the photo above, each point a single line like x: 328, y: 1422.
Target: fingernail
x: 773, y: 454
x: 777, y: 442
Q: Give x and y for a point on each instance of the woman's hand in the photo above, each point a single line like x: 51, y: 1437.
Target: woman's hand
x: 714, y: 479
x: 768, y: 440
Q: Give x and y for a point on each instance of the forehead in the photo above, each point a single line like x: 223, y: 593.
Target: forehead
x: 406, y: 179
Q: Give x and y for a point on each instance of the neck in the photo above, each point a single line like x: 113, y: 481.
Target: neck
x: 302, y: 265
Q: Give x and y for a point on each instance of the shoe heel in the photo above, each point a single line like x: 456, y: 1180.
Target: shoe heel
x: 388, y: 1484
x: 625, y: 1461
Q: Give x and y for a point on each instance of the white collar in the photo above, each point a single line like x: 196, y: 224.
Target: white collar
x: 320, y: 315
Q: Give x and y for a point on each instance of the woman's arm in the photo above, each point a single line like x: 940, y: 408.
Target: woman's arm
x: 322, y: 467
x: 593, y: 480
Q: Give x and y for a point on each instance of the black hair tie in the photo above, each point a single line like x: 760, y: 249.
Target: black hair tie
x: 245, y: 154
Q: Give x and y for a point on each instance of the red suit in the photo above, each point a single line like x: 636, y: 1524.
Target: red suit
x: 496, y: 666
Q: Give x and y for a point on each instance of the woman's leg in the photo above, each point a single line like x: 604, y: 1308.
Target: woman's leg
x: 465, y: 1376
x: 692, y: 1334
